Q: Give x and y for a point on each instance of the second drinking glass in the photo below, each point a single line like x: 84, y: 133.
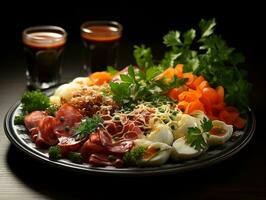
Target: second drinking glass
x: 101, y: 40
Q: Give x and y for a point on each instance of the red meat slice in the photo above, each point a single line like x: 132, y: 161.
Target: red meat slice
x: 68, y: 144
x: 102, y: 160
x: 32, y: 120
x: 68, y: 117
x: 46, y: 136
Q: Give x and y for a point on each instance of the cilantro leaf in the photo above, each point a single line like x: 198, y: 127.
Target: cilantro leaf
x: 143, y: 56
x: 206, y: 125
x: 207, y: 27
x: 172, y: 39
x: 195, y: 135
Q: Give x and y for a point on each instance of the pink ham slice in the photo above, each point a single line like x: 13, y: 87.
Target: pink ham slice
x: 68, y: 144
x: 68, y: 117
x: 46, y: 136
x: 32, y: 120
x: 102, y: 160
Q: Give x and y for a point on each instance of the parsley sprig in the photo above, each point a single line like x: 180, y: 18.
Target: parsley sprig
x: 87, y: 126
x: 195, y: 136
x: 210, y: 56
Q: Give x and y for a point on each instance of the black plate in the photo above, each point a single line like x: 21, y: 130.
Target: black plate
x: 19, y: 137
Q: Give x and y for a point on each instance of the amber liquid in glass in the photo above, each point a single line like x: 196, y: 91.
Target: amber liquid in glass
x: 43, y: 59
x: 101, y: 45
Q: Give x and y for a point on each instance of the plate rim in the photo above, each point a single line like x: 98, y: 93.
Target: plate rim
x: 12, y: 136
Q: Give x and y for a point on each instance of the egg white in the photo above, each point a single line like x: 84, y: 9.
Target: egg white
x: 157, y: 160
x: 183, y: 151
x: 161, y: 133
x: 182, y: 123
x: 220, y: 139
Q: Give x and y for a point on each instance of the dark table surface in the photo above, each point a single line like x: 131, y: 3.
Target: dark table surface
x: 22, y: 177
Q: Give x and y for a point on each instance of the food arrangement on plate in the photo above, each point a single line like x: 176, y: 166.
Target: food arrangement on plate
x: 148, y: 114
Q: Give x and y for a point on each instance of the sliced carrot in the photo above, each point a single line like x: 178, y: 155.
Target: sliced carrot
x: 220, y: 94
x: 210, y: 94
x: 173, y: 93
x: 182, y: 105
x: 240, y: 122
x: 189, y: 96
x: 179, y: 70
x: 203, y: 85
x: 197, y: 81
x: 195, y: 105
x: 190, y: 78
x: 99, y: 78
x: 207, y: 105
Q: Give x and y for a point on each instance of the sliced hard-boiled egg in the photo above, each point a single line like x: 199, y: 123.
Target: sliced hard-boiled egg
x: 183, y: 151
x: 161, y: 133
x: 181, y: 124
x: 66, y: 91
x: 220, y: 133
x: 200, y: 115
x: 84, y: 81
x: 156, y: 153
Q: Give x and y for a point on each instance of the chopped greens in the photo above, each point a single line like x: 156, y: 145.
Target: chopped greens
x: 75, y: 157
x: 87, y: 126
x: 19, y: 120
x: 195, y: 135
x: 34, y: 100
x: 55, y: 152
x: 132, y: 157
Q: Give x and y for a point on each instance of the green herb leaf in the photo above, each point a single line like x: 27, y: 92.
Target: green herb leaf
x: 143, y: 56
x: 207, y: 27
x: 75, y: 157
x: 132, y: 157
x: 112, y: 70
x: 34, y: 100
x: 172, y: 39
x: 87, y: 126
x: 195, y: 136
x: 55, y: 152
x: 19, y: 120
x: 206, y: 125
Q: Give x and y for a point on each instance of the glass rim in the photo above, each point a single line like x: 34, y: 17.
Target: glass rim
x: 101, y: 22
x: 44, y: 28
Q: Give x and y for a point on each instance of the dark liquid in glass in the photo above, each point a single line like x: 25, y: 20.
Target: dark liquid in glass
x: 44, y: 60
x: 101, y: 45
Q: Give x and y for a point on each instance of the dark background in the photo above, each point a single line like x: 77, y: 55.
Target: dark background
x: 241, y: 25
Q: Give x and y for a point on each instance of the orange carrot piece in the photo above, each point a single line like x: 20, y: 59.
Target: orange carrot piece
x: 173, y: 93
x: 189, y: 96
x: 182, y: 105
x: 220, y: 94
x: 195, y: 105
x: 179, y: 70
x: 190, y: 78
x: 210, y: 94
x: 197, y: 81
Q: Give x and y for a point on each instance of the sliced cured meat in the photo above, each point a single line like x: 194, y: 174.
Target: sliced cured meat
x: 103, y: 160
x: 68, y: 118
x: 46, y: 135
x: 68, y: 115
x: 32, y: 120
x: 68, y: 144
x: 89, y: 148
